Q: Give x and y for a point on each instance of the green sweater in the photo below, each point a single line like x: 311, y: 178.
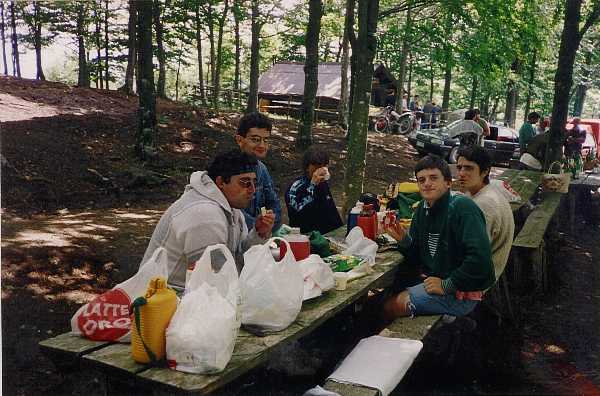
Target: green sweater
x: 526, y: 133
x: 449, y: 240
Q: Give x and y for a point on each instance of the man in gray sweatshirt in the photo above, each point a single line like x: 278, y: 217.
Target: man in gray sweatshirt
x: 208, y: 212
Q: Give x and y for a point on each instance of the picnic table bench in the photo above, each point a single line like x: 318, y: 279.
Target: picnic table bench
x: 579, y: 190
x: 115, y: 367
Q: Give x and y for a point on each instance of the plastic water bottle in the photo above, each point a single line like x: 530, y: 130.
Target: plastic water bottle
x: 152, y: 313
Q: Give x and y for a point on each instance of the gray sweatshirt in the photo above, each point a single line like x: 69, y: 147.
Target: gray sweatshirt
x: 201, y: 217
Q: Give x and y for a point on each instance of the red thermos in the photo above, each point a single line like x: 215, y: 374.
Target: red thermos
x: 367, y: 221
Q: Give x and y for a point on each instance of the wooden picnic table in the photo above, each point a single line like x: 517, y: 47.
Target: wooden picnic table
x: 113, y: 362
x: 579, y: 189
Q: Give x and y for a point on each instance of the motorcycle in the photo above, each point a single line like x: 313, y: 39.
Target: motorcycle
x: 390, y: 121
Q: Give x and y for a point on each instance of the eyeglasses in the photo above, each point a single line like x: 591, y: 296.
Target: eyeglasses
x: 258, y: 139
x: 247, y: 182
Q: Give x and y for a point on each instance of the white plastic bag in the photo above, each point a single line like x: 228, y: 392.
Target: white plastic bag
x: 271, y: 291
x: 202, y: 333
x: 505, y: 189
x: 318, y: 277
x: 107, y: 317
x: 360, y: 246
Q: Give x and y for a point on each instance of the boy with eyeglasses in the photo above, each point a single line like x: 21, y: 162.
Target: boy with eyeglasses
x: 254, y: 136
x: 208, y: 212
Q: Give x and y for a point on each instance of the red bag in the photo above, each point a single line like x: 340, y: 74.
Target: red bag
x: 107, y: 317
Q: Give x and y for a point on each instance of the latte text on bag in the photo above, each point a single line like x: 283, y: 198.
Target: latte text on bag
x: 107, y: 317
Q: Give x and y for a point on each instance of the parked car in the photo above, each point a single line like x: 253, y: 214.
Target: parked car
x: 502, y: 144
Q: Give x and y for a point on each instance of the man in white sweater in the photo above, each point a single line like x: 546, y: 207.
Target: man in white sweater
x: 208, y: 212
x: 474, y: 166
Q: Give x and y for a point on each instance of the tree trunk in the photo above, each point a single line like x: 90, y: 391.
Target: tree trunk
x: 409, y: 83
x: 364, y: 48
x: 343, y: 105
x: 178, y: 70
x: 37, y: 40
x: 211, y: 40
x: 83, y: 74
x: 3, y: 38
x: 530, y: 84
x: 107, y: 74
x: 238, y: 47
x: 131, y: 58
x: 582, y: 87
x: 448, y: 67
x: 160, y: 49
x: 146, y: 139
x: 474, y: 85
x: 563, y: 79
x: 217, y: 82
x: 512, y: 97
x: 404, y: 55
x: 97, y: 35
x: 311, y: 74
x: 199, y: 56
x: 431, y: 78
x: 15, y: 44
x: 254, y: 59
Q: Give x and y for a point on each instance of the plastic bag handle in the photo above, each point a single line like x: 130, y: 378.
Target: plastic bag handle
x: 288, y: 249
x: 219, y: 246
x: 157, y: 252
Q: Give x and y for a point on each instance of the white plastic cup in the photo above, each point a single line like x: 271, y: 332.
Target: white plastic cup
x: 341, y: 280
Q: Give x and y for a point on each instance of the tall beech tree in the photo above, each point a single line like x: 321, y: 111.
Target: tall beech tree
x: 3, y: 37
x: 131, y: 52
x: 16, y: 62
x: 364, y: 47
x: 146, y: 137
x: 311, y: 74
x: 160, y: 49
x: 563, y: 79
x: 252, y: 104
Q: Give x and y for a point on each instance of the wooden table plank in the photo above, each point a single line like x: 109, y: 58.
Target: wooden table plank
x: 114, y: 357
x: 533, y: 230
x: 68, y: 347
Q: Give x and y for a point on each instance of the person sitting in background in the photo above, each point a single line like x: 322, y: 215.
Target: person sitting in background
x: 543, y: 124
x: 208, y: 212
x: 534, y: 156
x: 254, y: 137
x: 474, y: 166
x: 308, y: 199
x: 448, y: 243
x: 526, y: 132
x: 482, y: 122
x: 573, y: 145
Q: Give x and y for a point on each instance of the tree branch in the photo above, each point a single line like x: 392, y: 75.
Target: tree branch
x: 592, y: 18
x: 404, y: 6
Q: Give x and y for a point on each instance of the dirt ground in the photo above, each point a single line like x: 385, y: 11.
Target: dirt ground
x: 78, y: 210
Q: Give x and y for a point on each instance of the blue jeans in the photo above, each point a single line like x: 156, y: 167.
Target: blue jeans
x: 422, y: 303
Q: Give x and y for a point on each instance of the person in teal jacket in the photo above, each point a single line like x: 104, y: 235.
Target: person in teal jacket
x: 527, y: 132
x: 449, y: 246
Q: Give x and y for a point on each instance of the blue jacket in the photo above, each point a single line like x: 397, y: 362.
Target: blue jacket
x: 311, y: 207
x: 265, y: 196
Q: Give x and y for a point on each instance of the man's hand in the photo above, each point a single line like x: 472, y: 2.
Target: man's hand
x: 319, y: 175
x: 396, y: 231
x: 264, y: 224
x: 433, y: 285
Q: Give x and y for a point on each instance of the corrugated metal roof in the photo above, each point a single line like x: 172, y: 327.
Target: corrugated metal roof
x: 288, y: 79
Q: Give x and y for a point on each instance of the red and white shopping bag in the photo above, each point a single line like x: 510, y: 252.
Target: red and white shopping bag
x: 107, y: 317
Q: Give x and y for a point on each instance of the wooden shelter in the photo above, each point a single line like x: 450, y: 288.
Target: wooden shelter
x: 281, y: 88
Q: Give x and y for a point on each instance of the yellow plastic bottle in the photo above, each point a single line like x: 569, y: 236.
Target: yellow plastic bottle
x: 152, y: 313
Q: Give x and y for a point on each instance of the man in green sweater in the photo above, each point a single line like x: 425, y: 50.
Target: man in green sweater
x: 448, y: 244
x: 527, y: 132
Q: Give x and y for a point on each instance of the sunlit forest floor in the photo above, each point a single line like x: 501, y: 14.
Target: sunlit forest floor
x: 78, y: 210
